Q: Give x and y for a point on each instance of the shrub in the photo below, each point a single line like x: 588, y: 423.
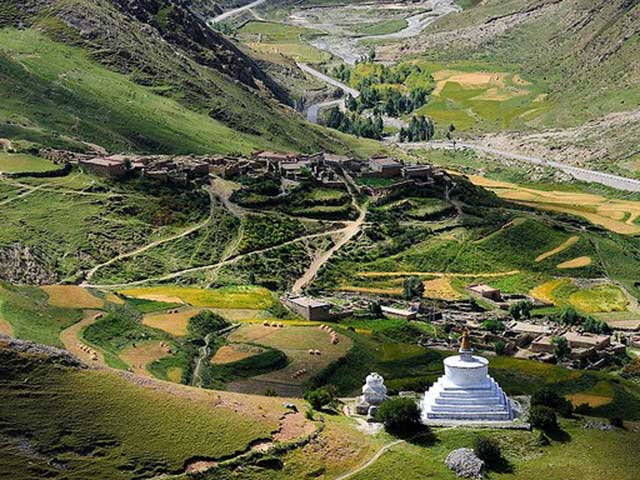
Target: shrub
x: 204, y: 323
x: 548, y: 398
x: 493, y: 325
x: 543, y: 418
x: 500, y: 347
x: 399, y: 415
x: 521, y: 309
x: 412, y: 288
x: 561, y: 348
x: 617, y: 422
x: 321, y: 397
x: 584, y: 409
x: 488, y: 450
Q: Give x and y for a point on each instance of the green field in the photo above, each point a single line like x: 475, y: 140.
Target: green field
x: 278, y: 39
x: 27, y: 311
x: 21, y: 163
x: 382, y: 28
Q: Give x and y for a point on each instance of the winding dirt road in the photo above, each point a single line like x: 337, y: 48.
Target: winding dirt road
x: 348, y: 233
x: 593, y: 176
x: 151, y: 245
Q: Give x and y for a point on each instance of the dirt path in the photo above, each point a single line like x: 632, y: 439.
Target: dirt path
x: 151, y: 245
x: 347, y: 234
x: 70, y: 338
x: 371, y: 461
x: 229, y: 261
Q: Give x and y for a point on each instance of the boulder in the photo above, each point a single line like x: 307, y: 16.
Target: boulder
x: 465, y: 463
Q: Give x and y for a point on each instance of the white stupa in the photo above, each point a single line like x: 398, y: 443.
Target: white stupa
x: 373, y: 394
x: 466, y: 392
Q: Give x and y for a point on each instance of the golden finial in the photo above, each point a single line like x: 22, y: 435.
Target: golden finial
x: 465, y: 343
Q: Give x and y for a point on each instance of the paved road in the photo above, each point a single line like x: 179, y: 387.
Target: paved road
x: 233, y: 13
x: 313, y: 110
x: 614, y: 181
x: 327, y: 79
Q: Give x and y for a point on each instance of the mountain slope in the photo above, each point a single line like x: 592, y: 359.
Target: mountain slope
x: 583, y: 50
x: 185, y: 81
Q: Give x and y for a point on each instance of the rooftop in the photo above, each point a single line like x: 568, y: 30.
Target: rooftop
x: 385, y: 161
x: 590, y: 339
x: 482, y: 288
x: 309, y: 302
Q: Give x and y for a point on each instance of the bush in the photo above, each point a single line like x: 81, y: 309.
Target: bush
x: 399, y: 415
x: 543, y: 418
x: 616, y: 422
x: 412, y: 288
x: 500, y: 347
x: 548, y: 398
x: 584, y: 409
x: 320, y: 398
x: 205, y: 323
x: 488, y: 450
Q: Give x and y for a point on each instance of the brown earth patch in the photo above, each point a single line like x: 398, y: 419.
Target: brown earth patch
x: 234, y: 353
x: 72, y: 341
x: 576, y: 263
x: 173, y: 323
x: 142, y: 354
x: 71, y: 296
x: 6, y: 328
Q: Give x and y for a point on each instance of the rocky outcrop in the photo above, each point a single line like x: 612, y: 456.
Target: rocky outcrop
x: 21, y: 265
x: 465, y: 463
x: 40, y: 353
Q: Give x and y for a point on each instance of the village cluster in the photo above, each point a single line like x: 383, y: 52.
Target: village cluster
x: 323, y: 167
x: 528, y: 339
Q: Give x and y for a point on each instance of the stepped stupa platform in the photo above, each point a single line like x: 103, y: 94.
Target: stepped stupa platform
x: 466, y: 392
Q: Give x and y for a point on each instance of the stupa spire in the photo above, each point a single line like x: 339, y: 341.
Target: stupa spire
x: 465, y: 343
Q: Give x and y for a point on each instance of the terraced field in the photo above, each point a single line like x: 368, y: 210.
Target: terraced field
x: 619, y: 216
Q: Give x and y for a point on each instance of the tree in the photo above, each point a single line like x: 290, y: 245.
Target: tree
x: 561, y: 348
x: 493, y: 325
x: 521, y: 310
x: 372, y: 55
x: 488, y: 450
x: 500, y: 347
x: 412, y: 288
x: 399, y: 415
x: 375, y: 309
x: 543, y: 418
x: 549, y: 398
x: 320, y: 397
x: 205, y: 323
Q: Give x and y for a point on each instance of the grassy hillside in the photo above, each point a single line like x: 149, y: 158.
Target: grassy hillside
x: 581, y: 50
x: 143, y: 76
x: 97, y: 424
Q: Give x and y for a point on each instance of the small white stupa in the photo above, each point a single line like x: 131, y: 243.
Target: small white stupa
x: 373, y: 394
x: 466, y: 392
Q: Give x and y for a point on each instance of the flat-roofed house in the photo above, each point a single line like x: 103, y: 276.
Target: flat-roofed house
x: 105, y: 167
x: 385, y: 167
x: 529, y: 328
x: 587, y: 340
x: 417, y: 171
x: 486, y: 291
x: 543, y: 343
x: 309, y: 308
x: 399, y: 312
